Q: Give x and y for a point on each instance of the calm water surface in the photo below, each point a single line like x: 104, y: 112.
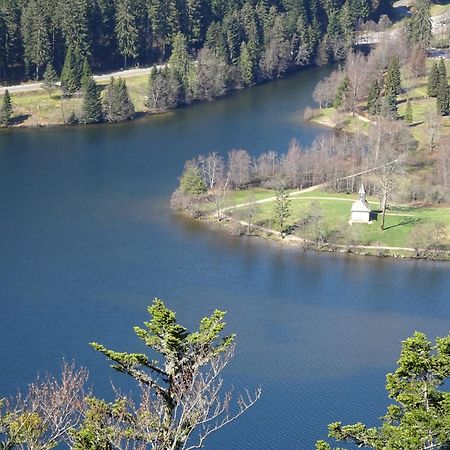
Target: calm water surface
x: 87, y: 240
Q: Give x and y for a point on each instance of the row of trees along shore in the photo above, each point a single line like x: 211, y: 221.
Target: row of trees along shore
x: 260, y: 39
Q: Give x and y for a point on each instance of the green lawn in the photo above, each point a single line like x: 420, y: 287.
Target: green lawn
x: 334, y: 212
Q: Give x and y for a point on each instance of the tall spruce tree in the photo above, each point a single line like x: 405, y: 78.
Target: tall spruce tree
x: 6, y: 109
x: 282, y: 208
x: 127, y: 32
x: 374, y: 98
x: 36, y: 39
x: 92, y: 111
x: 442, y: 97
x: 69, y: 82
x: 339, y: 98
x: 418, y: 26
x: 85, y: 73
x: 408, y: 112
x: 50, y: 79
x: 393, y: 78
x: 118, y: 106
x: 246, y: 66
x: 433, y: 80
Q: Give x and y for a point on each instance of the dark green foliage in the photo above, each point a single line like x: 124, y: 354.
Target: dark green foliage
x: 420, y: 417
x: 85, y: 73
x: 192, y: 183
x: 433, y: 80
x: 418, y: 25
x: 390, y: 105
x: 92, y: 111
x: 35, y: 36
x: 408, y: 112
x: 118, y: 106
x: 69, y: 79
x: 163, y: 91
x: 393, y: 79
x: 6, y: 109
x: 277, y: 35
x: 442, y: 97
x: 50, y: 79
x: 374, y: 98
x: 442, y: 69
x: 282, y: 208
x: 341, y: 91
x: 126, y: 30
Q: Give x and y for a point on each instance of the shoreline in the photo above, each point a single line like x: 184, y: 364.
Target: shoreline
x: 232, y: 227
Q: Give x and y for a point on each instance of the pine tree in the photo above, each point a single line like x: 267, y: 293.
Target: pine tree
x: 126, y: 30
x: 246, y: 66
x: 341, y: 91
x: 118, y: 105
x: 390, y: 104
x: 50, y: 79
x: 442, y: 69
x: 282, y: 208
x: 6, y: 109
x: 393, y: 80
x: 408, y: 112
x: 442, y: 97
x: 92, y: 106
x: 85, y: 73
x: 75, y: 26
x: 374, y: 98
x: 433, y: 80
x: 418, y: 26
x: 69, y: 83
x: 35, y: 36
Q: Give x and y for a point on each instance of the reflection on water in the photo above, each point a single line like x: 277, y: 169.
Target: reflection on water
x: 88, y: 240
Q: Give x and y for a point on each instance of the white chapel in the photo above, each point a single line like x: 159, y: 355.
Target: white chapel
x: 361, y: 208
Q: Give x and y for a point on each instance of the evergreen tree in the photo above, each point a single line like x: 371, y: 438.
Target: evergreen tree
x: 374, y: 98
x: 35, y: 36
x: 442, y: 97
x: 194, y: 21
x: 6, y: 109
x: 433, y: 80
x: 408, y: 112
x: 163, y: 90
x: 246, y: 66
x: 442, y: 69
x: 192, y: 183
x: 282, y: 208
x: 341, y: 91
x: 69, y: 83
x: 420, y: 417
x: 390, y: 104
x: 50, y: 79
x: 92, y: 106
x: 75, y: 27
x: 179, y: 65
x: 393, y: 80
x: 127, y: 33
x: 418, y: 27
x: 118, y: 106
x: 85, y: 74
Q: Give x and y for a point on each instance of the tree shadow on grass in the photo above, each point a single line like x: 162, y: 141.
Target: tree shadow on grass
x: 407, y: 221
x: 17, y: 120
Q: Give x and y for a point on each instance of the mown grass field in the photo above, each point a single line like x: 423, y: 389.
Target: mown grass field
x: 39, y: 109
x: 333, y: 211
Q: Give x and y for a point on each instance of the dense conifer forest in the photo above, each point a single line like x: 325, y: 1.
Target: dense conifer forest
x: 256, y: 40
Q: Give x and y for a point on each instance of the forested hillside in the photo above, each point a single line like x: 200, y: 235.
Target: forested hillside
x: 260, y: 40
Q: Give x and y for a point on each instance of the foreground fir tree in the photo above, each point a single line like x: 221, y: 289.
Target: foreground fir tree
x: 420, y: 417
x: 92, y: 111
x: 393, y: 78
x: 408, y: 112
x: 442, y: 96
x: 6, y: 109
x: 181, y: 402
x: 69, y: 78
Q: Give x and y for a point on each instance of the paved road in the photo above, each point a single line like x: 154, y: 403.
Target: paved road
x: 31, y: 87
x: 375, y: 37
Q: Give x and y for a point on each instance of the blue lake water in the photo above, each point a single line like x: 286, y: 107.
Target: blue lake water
x: 87, y: 240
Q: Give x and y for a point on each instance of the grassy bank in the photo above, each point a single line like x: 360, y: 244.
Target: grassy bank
x: 322, y: 219
x: 38, y: 108
x: 421, y: 105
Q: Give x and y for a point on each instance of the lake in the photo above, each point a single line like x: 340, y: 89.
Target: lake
x: 88, y: 239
